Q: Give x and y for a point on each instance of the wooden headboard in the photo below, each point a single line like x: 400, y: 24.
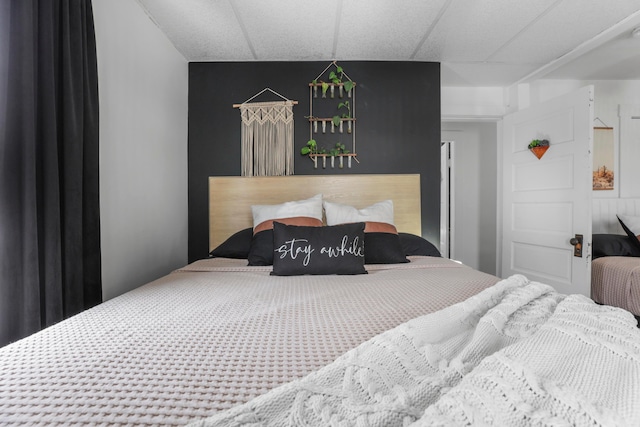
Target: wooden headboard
x: 231, y: 197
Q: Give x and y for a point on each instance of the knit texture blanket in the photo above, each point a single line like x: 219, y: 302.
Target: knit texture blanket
x: 515, y: 354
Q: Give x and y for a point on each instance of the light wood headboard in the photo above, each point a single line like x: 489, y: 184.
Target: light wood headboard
x: 231, y: 197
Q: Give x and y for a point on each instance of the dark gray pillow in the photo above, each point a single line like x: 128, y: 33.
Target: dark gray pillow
x: 337, y: 249
x: 631, y: 226
x: 237, y: 246
x: 416, y: 245
x: 613, y: 245
x: 261, y: 248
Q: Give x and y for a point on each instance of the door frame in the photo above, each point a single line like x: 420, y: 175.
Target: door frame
x: 447, y: 199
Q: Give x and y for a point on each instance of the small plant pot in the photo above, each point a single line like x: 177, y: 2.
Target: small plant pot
x: 539, y: 151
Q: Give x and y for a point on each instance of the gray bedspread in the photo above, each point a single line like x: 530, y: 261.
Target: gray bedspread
x: 210, y: 336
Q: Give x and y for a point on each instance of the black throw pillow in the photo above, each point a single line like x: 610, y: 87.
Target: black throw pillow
x: 261, y: 248
x: 299, y: 250
x: 631, y: 226
x: 416, y: 245
x: 613, y: 245
x: 237, y: 246
x: 383, y: 248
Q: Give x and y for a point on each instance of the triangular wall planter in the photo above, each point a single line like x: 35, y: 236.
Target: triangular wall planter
x: 539, y: 151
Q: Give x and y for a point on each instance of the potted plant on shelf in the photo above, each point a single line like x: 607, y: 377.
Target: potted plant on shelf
x: 538, y: 147
x: 337, y: 119
x: 336, y: 78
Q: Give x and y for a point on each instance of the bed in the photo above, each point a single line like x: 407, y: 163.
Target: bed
x: 422, y: 341
x: 615, y: 271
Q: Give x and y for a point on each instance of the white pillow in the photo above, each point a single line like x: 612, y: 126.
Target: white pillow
x: 337, y: 213
x: 300, y: 208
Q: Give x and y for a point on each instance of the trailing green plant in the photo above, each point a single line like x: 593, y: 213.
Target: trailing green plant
x: 336, y: 78
x: 312, y: 148
x: 336, y: 119
x: 338, y: 149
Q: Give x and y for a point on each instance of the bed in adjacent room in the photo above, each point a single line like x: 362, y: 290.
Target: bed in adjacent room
x: 345, y: 315
x: 615, y: 270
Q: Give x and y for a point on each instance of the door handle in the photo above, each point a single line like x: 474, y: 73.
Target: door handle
x: 577, y: 245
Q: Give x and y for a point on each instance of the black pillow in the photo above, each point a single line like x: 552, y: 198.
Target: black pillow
x: 261, y: 248
x: 613, y: 245
x: 337, y: 249
x: 383, y: 248
x: 630, y: 226
x: 416, y: 245
x: 237, y: 246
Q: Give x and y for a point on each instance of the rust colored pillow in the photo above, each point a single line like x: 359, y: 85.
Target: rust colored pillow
x: 381, y: 242
x: 306, y: 212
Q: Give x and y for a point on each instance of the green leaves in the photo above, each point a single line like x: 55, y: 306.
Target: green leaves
x: 338, y: 149
x: 348, y: 85
x: 310, y: 148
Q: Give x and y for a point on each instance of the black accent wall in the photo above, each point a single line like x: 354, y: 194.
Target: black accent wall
x: 398, y: 126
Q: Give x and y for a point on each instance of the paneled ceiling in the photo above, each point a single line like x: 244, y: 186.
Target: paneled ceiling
x: 478, y: 42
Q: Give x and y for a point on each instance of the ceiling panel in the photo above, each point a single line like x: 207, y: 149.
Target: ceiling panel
x: 616, y: 60
x: 564, y: 28
x: 289, y: 29
x: 384, y: 30
x: 200, y: 29
x: 472, y: 31
x: 477, y: 42
x: 482, y: 74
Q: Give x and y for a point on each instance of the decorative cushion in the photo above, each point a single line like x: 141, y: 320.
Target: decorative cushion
x: 306, y: 212
x: 613, y: 245
x: 302, y: 250
x: 237, y: 246
x: 416, y: 245
x: 631, y: 225
x: 261, y: 248
x: 383, y: 248
x: 382, y: 245
x: 308, y: 208
x: 338, y: 213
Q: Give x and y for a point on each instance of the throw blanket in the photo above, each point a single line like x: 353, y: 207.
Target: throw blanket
x: 517, y: 353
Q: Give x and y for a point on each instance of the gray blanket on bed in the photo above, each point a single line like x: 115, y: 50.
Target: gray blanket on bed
x: 518, y: 353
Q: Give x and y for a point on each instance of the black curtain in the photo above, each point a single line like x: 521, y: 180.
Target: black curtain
x: 49, y: 192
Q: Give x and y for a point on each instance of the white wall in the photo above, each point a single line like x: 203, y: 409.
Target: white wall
x: 475, y: 201
x: 143, y: 85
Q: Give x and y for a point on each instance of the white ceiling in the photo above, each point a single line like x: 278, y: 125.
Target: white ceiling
x: 477, y: 42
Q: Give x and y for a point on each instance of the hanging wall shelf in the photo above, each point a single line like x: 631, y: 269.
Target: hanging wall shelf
x: 335, y: 123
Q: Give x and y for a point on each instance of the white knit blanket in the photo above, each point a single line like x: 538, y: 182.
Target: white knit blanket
x: 516, y: 354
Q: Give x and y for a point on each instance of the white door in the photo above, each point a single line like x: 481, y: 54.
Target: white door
x: 547, y: 202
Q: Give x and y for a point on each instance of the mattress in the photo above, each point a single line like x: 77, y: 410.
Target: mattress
x: 211, y: 336
x: 616, y: 281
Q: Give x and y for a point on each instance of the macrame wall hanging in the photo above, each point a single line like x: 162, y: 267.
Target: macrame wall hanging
x: 267, y: 136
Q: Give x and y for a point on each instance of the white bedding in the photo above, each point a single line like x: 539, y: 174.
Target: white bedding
x: 517, y: 354
x: 209, y: 337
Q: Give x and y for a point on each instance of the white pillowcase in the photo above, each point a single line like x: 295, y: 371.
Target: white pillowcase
x: 337, y: 213
x: 306, y: 208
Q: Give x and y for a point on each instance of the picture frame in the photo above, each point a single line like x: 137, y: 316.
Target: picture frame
x: 604, y: 160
